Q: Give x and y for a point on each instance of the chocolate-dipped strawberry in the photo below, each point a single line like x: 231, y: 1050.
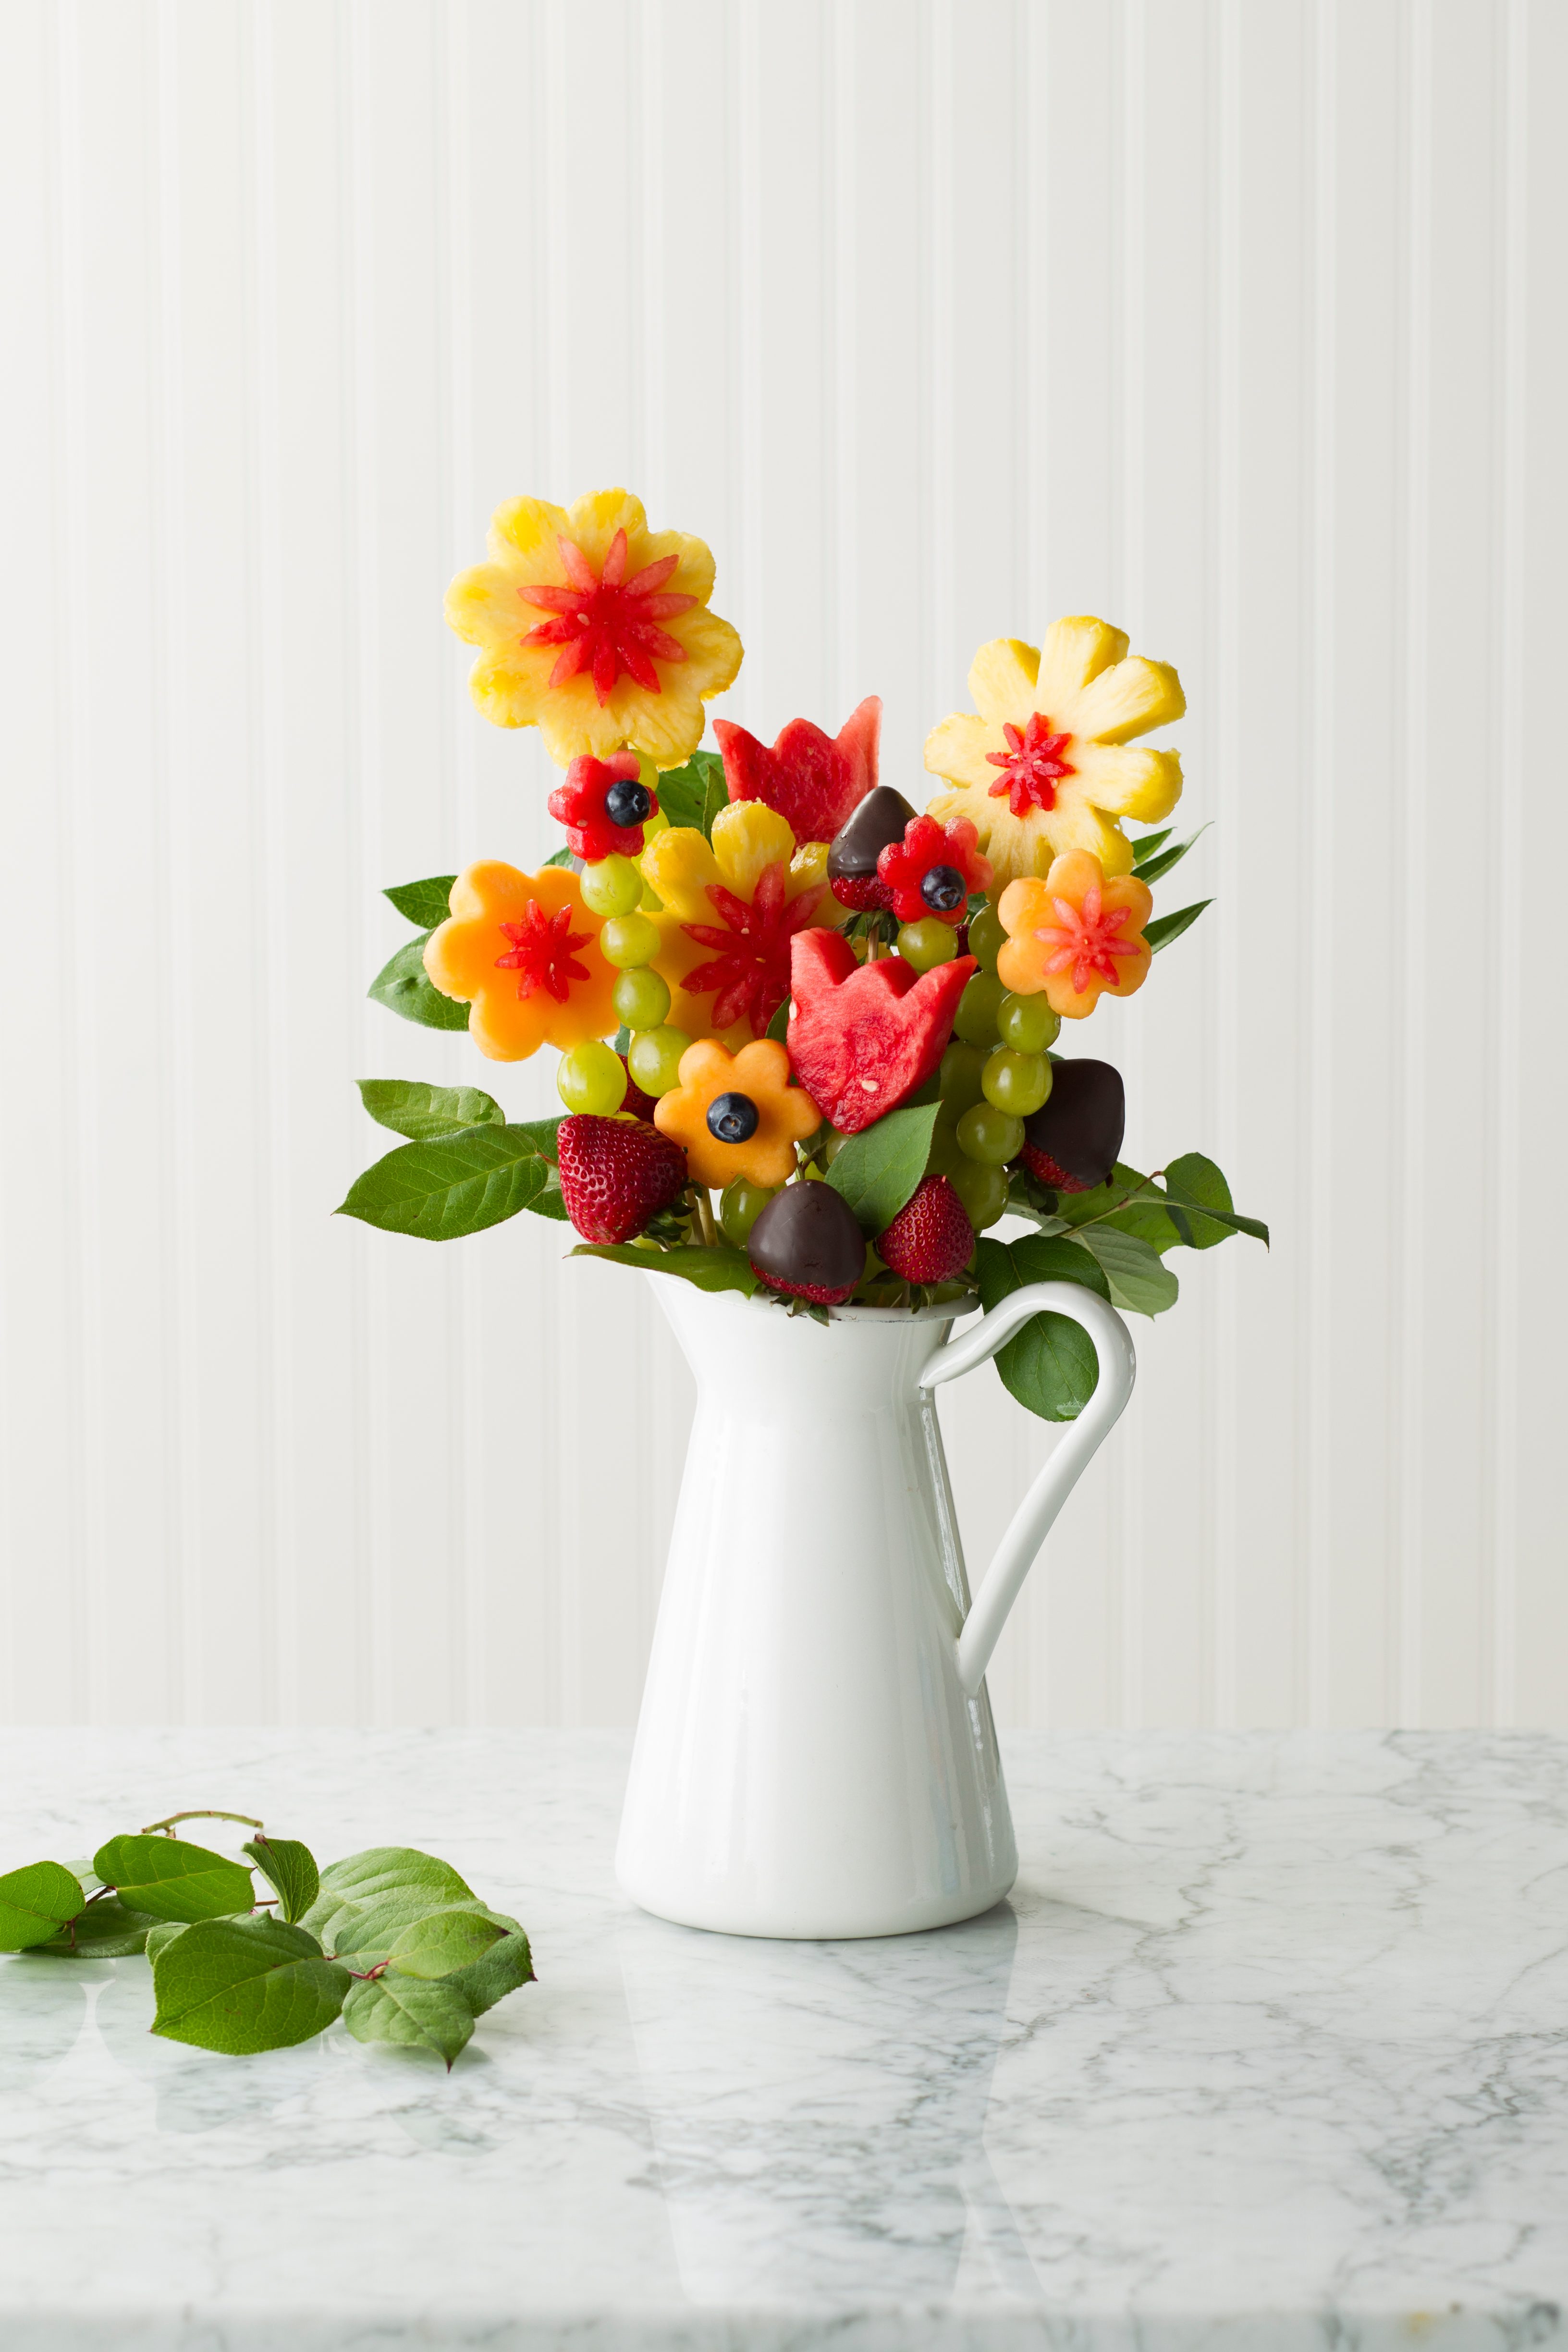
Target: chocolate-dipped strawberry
x: 1072, y: 1141
x: 807, y: 1244
x: 853, y: 854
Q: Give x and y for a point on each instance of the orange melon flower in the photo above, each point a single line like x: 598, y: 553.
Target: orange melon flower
x: 755, y: 1080
x: 1075, y: 935
x: 523, y: 950
x: 595, y: 629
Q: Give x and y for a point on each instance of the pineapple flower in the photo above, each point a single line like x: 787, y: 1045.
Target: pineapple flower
x: 523, y: 950
x: 1044, y: 766
x: 595, y: 629
x: 730, y: 910
x: 1075, y: 935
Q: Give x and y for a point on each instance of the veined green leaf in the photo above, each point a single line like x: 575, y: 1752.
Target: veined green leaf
x: 1146, y: 844
x: 106, y: 1930
x: 561, y: 857
x: 1140, y: 1280
x: 779, y: 1025
x: 290, y: 1869
x: 406, y: 988
x: 410, y: 2014
x: 163, y: 1933
x: 1151, y: 867
x: 505, y: 1967
x: 542, y: 1134
x: 442, y: 1943
x: 1050, y: 1366
x: 245, y: 1985
x: 35, y: 1904
x: 460, y: 1185
x: 423, y: 903
x: 1205, y: 1197
x: 1166, y: 928
x: 694, y: 795
x: 878, y: 1170
x: 420, y: 1112
x: 350, y: 1887
x: 169, y: 1878
x: 710, y: 1269
x: 1132, y: 1204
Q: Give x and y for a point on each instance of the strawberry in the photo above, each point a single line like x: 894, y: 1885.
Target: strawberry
x: 616, y: 1175
x: 931, y: 1239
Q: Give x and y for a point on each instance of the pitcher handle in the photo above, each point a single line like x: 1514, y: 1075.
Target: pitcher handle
x: 1032, y: 1521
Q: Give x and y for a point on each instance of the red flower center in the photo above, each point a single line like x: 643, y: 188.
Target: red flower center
x: 606, y: 623
x: 752, y: 973
x: 1086, y: 940
x: 1032, y: 766
x: 540, y: 952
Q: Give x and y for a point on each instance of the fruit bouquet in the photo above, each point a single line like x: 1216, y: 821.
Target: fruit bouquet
x: 807, y: 1033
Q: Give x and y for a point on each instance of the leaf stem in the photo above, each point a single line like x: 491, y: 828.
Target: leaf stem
x: 199, y: 1813
x: 705, y: 1215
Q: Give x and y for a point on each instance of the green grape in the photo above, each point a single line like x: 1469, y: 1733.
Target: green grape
x: 1016, y: 1082
x: 927, y: 943
x: 983, y: 1191
x: 1028, y: 1023
x: 985, y: 940
x: 832, y: 1147
x: 611, y: 887
x: 961, y: 1069
x: 591, y: 1079
x: 977, y: 1010
x: 641, y: 998
x: 654, y: 1058
x: 989, y: 1134
x: 739, y: 1205
x: 628, y: 940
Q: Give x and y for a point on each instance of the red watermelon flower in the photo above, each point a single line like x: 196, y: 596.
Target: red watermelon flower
x: 934, y: 869
x: 815, y: 782
x: 579, y: 805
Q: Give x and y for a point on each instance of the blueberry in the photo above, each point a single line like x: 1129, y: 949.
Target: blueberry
x: 629, y: 803
x: 941, y: 888
x: 733, y: 1118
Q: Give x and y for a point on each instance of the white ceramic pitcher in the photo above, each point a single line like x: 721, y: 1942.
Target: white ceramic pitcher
x: 815, y: 1755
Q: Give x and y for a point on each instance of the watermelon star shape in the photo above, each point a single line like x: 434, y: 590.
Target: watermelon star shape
x: 862, y: 1038
x: 815, y: 782
x: 1044, y: 764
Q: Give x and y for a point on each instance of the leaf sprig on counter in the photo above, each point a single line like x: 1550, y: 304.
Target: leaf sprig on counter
x: 391, y: 1940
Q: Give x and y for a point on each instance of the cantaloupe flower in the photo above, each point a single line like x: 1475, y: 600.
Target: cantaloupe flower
x: 523, y: 950
x: 731, y: 908
x: 595, y: 629
x: 1044, y: 766
x: 1075, y: 935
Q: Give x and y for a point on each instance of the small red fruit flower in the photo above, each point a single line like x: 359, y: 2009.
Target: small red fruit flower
x: 934, y: 869
x: 815, y: 782
x: 931, y: 1239
x: 616, y: 1175
x: 579, y: 805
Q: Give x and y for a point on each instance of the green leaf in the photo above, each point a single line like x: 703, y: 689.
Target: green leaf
x: 169, y: 1879
x: 411, y: 2015
x: 551, y: 1201
x: 420, y: 1112
x: 163, y: 1933
x: 460, y: 1185
x: 85, y: 1876
x: 505, y: 1967
x: 1150, y: 868
x: 1166, y: 928
x: 561, y: 857
x: 1196, y: 1184
x: 1050, y: 1366
x: 694, y: 795
x: 423, y: 903
x: 350, y: 1887
x: 35, y: 1904
x: 1132, y: 1204
x: 710, y: 1269
x: 877, y: 1170
x: 290, y: 1869
x: 406, y: 988
x: 542, y: 1134
x: 778, y: 1026
x: 1140, y: 1281
x: 106, y: 1930
x: 442, y: 1943
x: 1146, y: 844
x: 244, y: 1985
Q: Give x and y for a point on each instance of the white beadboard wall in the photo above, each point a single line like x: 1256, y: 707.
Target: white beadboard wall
x: 1238, y: 321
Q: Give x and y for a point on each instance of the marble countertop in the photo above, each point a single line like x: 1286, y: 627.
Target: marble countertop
x: 1269, y: 2049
